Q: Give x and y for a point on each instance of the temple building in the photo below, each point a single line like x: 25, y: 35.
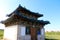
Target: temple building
x: 23, y: 24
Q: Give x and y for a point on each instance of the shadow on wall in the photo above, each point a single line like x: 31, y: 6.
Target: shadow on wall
x: 50, y: 39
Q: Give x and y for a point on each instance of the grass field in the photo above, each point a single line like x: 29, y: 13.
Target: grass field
x: 48, y: 35
x: 52, y: 35
x: 1, y: 34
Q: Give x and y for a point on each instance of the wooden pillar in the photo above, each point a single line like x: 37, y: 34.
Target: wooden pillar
x: 33, y: 33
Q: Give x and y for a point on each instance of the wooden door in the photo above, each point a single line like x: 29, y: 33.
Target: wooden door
x: 33, y: 33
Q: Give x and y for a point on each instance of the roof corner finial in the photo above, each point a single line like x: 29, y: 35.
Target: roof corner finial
x: 20, y: 6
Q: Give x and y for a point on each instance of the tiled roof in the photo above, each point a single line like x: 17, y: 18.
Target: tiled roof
x: 27, y: 18
x: 33, y: 13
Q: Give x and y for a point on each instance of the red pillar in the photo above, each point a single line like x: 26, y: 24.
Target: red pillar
x: 33, y: 33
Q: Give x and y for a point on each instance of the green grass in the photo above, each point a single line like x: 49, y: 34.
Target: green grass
x: 1, y: 34
x: 52, y: 35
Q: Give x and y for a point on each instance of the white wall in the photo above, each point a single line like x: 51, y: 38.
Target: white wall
x: 23, y: 36
x: 43, y: 34
x: 10, y: 32
x: 21, y: 32
x: 17, y: 32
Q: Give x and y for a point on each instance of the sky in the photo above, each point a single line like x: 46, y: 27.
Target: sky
x: 49, y: 8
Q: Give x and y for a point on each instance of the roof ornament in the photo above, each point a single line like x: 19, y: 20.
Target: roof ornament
x: 19, y: 6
